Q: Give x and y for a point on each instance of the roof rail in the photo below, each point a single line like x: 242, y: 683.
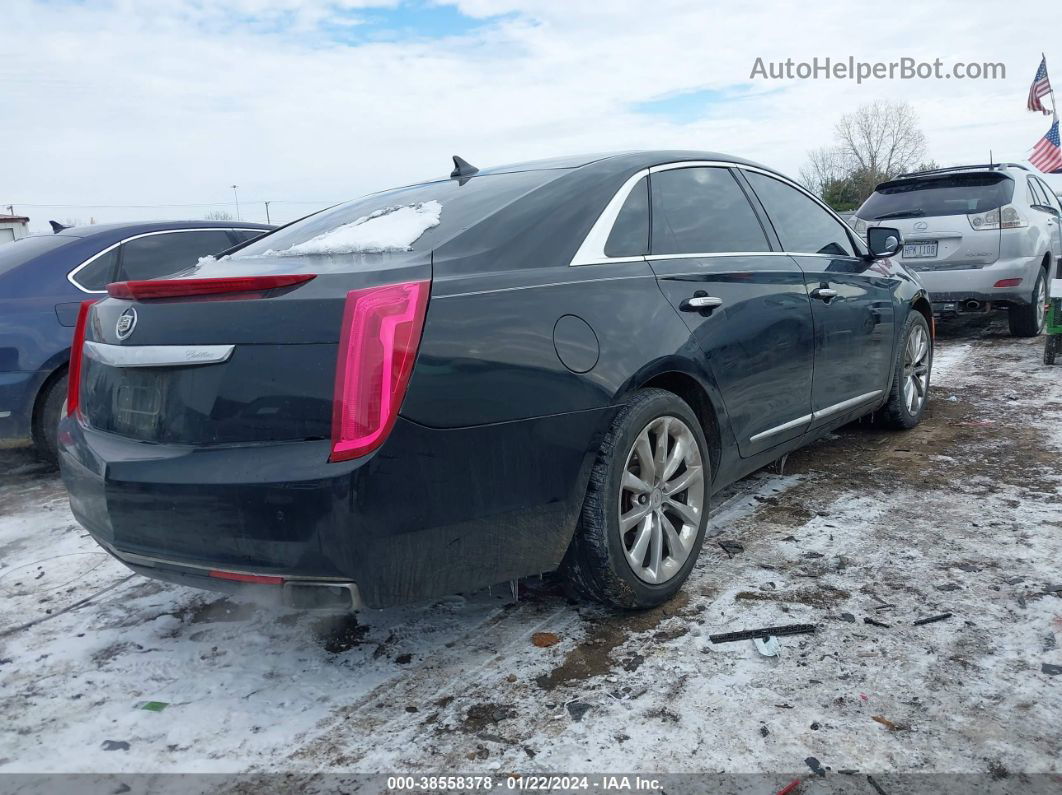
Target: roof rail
x: 961, y: 168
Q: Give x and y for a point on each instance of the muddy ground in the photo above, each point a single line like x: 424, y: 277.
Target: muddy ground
x: 861, y: 534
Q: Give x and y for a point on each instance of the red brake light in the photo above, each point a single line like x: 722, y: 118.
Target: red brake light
x: 77, y: 347
x: 235, y: 576
x: 377, y: 349
x: 1007, y: 283
x: 176, y: 288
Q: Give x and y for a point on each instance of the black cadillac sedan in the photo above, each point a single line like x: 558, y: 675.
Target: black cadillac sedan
x: 511, y: 371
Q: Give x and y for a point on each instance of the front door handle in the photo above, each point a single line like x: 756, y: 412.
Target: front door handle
x: 824, y: 294
x: 699, y: 303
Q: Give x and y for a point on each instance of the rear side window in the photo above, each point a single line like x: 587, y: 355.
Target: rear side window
x: 1052, y: 199
x: 243, y: 235
x: 630, y: 233
x: 154, y: 256
x: 23, y: 250
x: 702, y: 210
x: 97, y: 274
x: 952, y: 194
x: 802, y: 224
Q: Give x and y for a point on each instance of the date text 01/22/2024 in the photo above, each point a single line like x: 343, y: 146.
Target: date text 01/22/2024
x: 525, y: 783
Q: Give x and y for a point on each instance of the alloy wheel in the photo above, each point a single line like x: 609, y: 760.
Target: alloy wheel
x: 661, y: 499
x: 916, y: 369
x: 1040, y: 298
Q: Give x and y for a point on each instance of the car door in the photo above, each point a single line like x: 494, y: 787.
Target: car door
x: 1047, y: 203
x: 159, y: 254
x: 853, y: 303
x: 745, y: 304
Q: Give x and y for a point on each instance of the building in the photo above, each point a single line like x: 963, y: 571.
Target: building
x: 12, y: 227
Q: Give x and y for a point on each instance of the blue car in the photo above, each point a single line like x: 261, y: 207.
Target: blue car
x: 44, y: 279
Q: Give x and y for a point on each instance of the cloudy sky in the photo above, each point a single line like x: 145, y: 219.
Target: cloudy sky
x: 116, y: 109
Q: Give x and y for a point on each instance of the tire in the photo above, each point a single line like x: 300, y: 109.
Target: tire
x: 911, y: 372
x: 46, y: 420
x: 1052, y: 346
x: 1028, y: 321
x: 598, y: 564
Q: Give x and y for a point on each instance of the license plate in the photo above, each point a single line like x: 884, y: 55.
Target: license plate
x: 920, y: 250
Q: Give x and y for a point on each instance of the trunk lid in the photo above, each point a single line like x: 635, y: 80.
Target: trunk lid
x: 232, y: 368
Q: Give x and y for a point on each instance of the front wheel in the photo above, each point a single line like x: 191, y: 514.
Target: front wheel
x: 646, y: 507
x: 1028, y: 321
x: 910, y: 381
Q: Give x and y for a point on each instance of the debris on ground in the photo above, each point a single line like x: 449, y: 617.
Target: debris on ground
x: 731, y: 548
x: 764, y: 632
x: 888, y: 724
x: 544, y: 639
x: 874, y: 623
x: 932, y: 619
x: 152, y: 706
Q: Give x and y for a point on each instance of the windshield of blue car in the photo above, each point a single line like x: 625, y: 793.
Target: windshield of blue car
x: 24, y: 249
x: 952, y: 194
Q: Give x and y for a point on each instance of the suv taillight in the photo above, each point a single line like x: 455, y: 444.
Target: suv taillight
x: 1006, y: 217
x: 77, y: 348
x: 377, y: 349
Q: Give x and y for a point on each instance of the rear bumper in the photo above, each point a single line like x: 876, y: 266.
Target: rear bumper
x: 432, y: 512
x: 978, y: 284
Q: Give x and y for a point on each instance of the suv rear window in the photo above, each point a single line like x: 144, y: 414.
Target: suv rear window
x: 24, y: 249
x: 951, y: 194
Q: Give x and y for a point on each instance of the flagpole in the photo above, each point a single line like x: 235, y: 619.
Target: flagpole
x: 1054, y: 110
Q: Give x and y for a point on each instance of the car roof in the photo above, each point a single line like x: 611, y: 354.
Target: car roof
x: 142, y: 227
x: 618, y: 161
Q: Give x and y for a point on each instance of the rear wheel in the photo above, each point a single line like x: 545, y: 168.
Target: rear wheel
x: 1028, y: 321
x: 910, y: 381
x: 646, y: 507
x: 46, y: 420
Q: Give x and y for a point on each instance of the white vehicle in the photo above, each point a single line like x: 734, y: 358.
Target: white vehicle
x: 980, y: 237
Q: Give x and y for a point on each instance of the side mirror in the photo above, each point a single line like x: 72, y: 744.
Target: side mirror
x: 884, y: 241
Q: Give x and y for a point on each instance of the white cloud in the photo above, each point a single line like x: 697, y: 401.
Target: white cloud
x: 174, y: 101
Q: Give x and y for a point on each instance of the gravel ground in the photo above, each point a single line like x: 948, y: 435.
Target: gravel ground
x: 960, y: 516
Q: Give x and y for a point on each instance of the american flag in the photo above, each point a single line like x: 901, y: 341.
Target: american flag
x: 1041, y: 87
x: 1047, y: 154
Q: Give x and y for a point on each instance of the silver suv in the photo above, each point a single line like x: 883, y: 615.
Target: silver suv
x: 981, y: 237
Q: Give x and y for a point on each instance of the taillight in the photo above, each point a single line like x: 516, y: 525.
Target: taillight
x: 177, y: 288
x: 77, y: 347
x: 1008, y: 282
x: 1006, y: 217
x: 377, y: 349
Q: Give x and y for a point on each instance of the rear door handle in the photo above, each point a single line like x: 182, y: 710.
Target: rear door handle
x: 823, y: 294
x: 699, y: 302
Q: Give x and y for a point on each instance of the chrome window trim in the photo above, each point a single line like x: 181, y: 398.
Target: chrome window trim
x: 836, y: 408
x: 157, y: 355
x: 70, y: 276
x: 592, y: 250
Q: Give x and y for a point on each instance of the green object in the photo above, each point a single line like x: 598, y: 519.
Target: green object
x: 152, y: 706
x: 1054, y: 316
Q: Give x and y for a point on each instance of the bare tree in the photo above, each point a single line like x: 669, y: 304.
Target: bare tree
x: 824, y: 167
x: 880, y: 140
x: 218, y: 215
x: 874, y: 143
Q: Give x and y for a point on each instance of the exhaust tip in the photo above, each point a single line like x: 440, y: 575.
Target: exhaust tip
x: 971, y: 305
x: 332, y: 597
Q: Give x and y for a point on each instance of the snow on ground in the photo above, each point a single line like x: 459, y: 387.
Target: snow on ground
x: 958, y: 516
x: 390, y: 229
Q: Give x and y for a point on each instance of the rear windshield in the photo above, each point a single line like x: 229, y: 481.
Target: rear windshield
x: 23, y: 250
x: 954, y: 194
x: 415, y: 218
